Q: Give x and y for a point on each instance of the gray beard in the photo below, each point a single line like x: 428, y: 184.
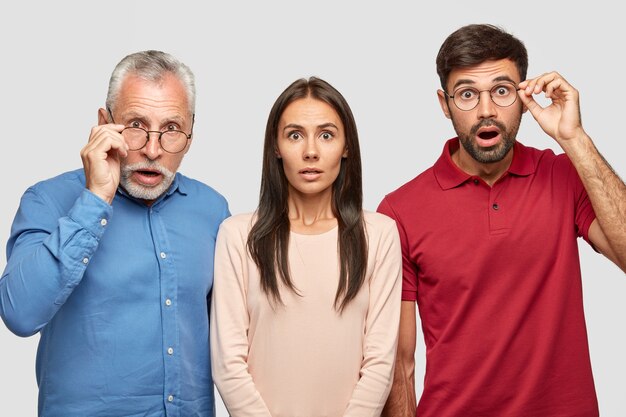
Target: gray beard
x: 143, y: 192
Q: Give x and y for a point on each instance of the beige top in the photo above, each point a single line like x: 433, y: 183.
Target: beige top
x: 304, y: 359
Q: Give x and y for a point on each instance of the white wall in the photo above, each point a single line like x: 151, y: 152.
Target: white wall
x: 57, y: 57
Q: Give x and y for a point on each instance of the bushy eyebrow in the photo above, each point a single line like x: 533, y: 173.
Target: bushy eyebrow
x: 464, y: 81
x: 132, y: 115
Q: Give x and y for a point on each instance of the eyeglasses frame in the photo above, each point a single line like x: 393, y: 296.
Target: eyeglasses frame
x: 188, y: 136
x: 482, y: 91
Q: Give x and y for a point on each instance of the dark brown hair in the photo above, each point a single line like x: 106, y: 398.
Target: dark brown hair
x: 268, y: 240
x: 474, y: 44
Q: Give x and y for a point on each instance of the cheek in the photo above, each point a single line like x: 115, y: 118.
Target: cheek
x: 288, y: 168
x: 336, y: 161
x: 172, y: 162
x: 289, y: 156
x: 133, y: 157
x: 462, y: 121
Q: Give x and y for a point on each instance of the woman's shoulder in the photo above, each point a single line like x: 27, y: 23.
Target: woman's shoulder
x: 379, y: 227
x: 237, y: 223
x: 378, y: 221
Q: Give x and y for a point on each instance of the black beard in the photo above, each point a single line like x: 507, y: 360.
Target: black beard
x: 492, y: 154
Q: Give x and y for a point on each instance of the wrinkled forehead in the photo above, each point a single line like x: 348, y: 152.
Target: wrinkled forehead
x: 484, y: 75
x: 167, y: 95
x: 167, y: 87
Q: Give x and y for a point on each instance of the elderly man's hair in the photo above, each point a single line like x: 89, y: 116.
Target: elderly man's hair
x: 152, y: 66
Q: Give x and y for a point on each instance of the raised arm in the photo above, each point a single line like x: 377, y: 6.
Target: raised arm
x: 607, y: 192
x: 48, y: 253
x: 55, y: 233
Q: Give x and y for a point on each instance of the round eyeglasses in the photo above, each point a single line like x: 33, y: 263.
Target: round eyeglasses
x: 172, y: 141
x: 467, y: 98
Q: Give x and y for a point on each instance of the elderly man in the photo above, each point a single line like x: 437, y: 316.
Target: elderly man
x: 113, y: 264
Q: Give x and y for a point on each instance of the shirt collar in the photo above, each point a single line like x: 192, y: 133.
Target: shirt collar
x: 449, y: 175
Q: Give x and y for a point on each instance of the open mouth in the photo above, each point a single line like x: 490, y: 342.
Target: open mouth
x: 488, y: 134
x: 147, y: 177
x: 148, y: 173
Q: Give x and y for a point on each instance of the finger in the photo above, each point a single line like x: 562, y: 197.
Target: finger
x: 551, y: 87
x: 527, y: 85
x: 97, y: 131
x: 561, y: 89
x: 107, y: 131
x: 537, y: 84
x: 533, y: 107
x: 103, y: 142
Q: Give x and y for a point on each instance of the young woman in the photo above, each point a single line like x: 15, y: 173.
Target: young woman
x: 306, y: 298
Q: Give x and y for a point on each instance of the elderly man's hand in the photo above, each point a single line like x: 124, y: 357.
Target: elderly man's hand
x: 101, y: 160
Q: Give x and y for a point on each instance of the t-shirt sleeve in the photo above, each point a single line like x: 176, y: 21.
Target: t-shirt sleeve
x: 409, y: 268
x: 584, y: 215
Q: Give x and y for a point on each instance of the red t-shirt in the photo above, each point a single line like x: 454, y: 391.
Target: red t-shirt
x: 496, y: 276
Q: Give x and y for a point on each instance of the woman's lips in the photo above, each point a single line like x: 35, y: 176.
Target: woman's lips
x: 310, y: 174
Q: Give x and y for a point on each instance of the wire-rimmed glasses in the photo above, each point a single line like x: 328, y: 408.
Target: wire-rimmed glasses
x: 172, y: 140
x: 467, y: 98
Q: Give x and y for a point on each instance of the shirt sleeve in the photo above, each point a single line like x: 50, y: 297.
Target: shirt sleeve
x: 47, y: 255
x: 230, y: 323
x: 409, y: 269
x: 584, y: 210
x: 381, y: 331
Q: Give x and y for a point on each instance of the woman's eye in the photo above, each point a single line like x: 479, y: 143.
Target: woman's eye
x: 327, y: 135
x: 294, y: 136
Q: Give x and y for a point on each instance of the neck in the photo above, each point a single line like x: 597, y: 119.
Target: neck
x: 311, y: 214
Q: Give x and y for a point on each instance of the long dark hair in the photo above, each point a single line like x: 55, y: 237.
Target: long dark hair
x: 268, y: 240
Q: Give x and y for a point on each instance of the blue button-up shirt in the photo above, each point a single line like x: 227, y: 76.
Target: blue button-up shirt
x: 119, y: 294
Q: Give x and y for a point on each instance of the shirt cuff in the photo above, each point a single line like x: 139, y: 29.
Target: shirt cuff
x: 91, y: 212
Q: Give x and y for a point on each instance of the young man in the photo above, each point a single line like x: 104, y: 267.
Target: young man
x: 112, y: 264
x: 489, y: 244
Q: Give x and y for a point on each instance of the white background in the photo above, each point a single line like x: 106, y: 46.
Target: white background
x: 57, y: 58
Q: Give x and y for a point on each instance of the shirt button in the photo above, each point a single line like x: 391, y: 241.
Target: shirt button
x: 168, y: 302
x: 85, y: 261
x: 495, y: 206
x: 170, y: 351
x: 163, y: 255
x: 103, y: 222
x: 476, y: 181
x: 170, y: 398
